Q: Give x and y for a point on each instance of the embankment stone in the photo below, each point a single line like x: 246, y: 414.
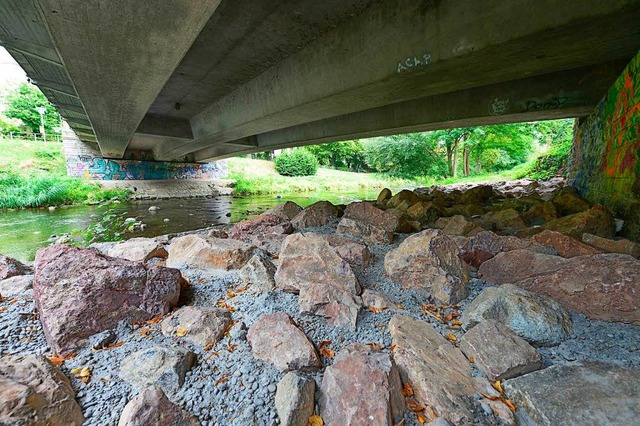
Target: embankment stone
x: 317, y: 214
x: 138, y: 250
x: 152, y: 407
x: 565, y: 245
x: 16, y: 285
x: 200, y: 325
x: 80, y: 292
x: 10, y: 267
x: 295, y: 399
x: 201, y: 252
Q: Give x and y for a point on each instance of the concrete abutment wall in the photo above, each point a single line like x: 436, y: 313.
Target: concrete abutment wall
x: 84, y: 160
x: 605, y: 157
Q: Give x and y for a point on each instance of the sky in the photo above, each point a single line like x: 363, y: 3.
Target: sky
x: 10, y: 72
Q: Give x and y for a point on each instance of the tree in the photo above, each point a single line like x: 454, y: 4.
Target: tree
x: 22, y: 104
x: 340, y: 155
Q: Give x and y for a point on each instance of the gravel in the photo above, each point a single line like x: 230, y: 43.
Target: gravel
x: 227, y: 386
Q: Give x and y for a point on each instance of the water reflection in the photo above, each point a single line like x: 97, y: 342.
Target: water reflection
x: 22, y: 232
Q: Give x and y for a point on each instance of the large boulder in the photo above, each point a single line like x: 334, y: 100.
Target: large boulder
x: 384, y: 196
x: 506, y: 221
x: 259, y: 272
x: 425, y: 212
x: 536, y: 318
x: 366, y: 212
x: 486, y: 244
x: 35, y: 392
x: 540, y: 213
x: 277, y: 340
x: 579, y: 394
x: 362, y: 383
x: 370, y: 233
x: 477, y: 195
x: 602, y: 286
x: 438, y: 372
x: 405, y: 197
x: 499, y: 352
x: 162, y: 366
x: 325, y: 282
x: 317, y: 214
x: 152, y: 407
x: 517, y: 265
x: 356, y: 254
x: 199, y: 325
x: 80, y: 292
x: 265, y: 224
x: 201, y: 252
x: 295, y: 399
x: 10, y: 267
x: 138, y: 250
x: 270, y: 243
x: 607, y: 245
x: 597, y: 220
x: 456, y: 225
x: 16, y: 286
x: 429, y: 260
x: 287, y: 210
x: 569, y: 202
x: 565, y: 245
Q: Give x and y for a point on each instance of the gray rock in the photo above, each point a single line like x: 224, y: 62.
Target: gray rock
x: 35, y: 392
x: 102, y: 339
x: 259, y: 272
x: 159, y: 365
x: 536, y: 318
x: 439, y: 373
x: 16, y: 285
x: 295, y: 399
x: 10, y: 267
x: 138, y: 250
x: 200, y: 325
x: 580, y: 394
x: 152, y: 407
x: 197, y: 251
x: 499, y: 352
x: 103, y: 247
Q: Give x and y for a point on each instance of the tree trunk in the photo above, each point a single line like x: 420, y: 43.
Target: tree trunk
x: 450, y: 160
x: 466, y: 153
x: 455, y: 161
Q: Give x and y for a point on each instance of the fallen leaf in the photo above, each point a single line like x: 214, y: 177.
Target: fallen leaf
x: 232, y: 348
x: 490, y: 397
x: 497, y: 386
x: 212, y: 354
x: 451, y: 337
x: 181, y: 332
x: 230, y: 294
x: 75, y: 371
x: 222, y: 379
x: 324, y: 343
x: 59, y: 360
x: 414, y: 406
x: 327, y: 353
x: 392, y: 348
x: 421, y: 418
x: 510, y: 404
x: 448, y: 317
x: 109, y: 346
x: 315, y: 420
x: 407, y: 390
x: 375, y: 345
x: 456, y: 322
x: 154, y: 320
x: 376, y: 310
x: 400, y: 306
x: 471, y: 358
x: 381, y: 325
x: 145, y: 331
x: 453, y: 327
x: 85, y: 372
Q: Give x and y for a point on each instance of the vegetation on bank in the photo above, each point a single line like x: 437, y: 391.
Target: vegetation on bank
x: 33, y: 174
x: 260, y: 177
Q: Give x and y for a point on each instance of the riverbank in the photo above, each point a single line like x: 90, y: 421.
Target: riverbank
x: 260, y: 177
x: 33, y: 174
x: 393, y: 300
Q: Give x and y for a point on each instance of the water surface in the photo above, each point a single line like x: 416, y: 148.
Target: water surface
x: 22, y: 232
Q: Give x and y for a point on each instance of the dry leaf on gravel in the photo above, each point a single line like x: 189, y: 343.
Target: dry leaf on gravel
x: 414, y: 406
x: 407, y: 390
x: 181, y: 332
x: 315, y: 420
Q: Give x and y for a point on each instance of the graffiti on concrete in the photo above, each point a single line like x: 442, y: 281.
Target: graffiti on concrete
x: 499, y: 106
x: 98, y: 168
x: 412, y: 62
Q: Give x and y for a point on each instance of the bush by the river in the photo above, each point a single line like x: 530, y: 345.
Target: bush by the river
x: 298, y: 162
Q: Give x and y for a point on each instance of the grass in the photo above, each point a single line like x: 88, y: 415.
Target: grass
x: 260, y: 177
x: 33, y: 174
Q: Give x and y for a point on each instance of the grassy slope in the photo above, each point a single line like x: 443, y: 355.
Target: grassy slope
x: 260, y: 177
x: 33, y: 174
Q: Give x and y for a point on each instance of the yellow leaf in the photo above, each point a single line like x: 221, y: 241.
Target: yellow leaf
x: 452, y: 337
x: 85, y: 372
x: 326, y: 352
x: 181, y: 332
x: 497, y: 386
x: 421, y: 418
x: 316, y: 420
x: 407, y: 390
x: 75, y: 371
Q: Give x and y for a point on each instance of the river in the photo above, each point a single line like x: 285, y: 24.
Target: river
x: 23, y: 232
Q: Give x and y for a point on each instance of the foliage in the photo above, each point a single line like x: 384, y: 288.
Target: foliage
x: 111, y: 226
x: 9, y: 125
x: 297, y: 162
x: 34, y: 175
x: 495, y: 159
x: 405, y: 156
x: 22, y: 104
x: 553, y: 163
x: 347, y: 155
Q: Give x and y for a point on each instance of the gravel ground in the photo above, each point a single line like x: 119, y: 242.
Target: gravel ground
x: 247, y: 395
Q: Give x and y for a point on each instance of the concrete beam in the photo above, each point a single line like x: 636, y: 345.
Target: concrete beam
x: 564, y: 94
x: 165, y: 126
x: 54, y: 86
x: 119, y: 54
x: 71, y: 108
x: 406, y: 49
x: 31, y: 49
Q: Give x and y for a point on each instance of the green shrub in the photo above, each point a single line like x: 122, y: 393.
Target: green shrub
x: 298, y: 162
x: 553, y: 163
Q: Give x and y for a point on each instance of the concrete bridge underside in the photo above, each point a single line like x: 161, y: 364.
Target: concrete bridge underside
x: 200, y: 80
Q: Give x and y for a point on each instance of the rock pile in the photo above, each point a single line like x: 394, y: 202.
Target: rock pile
x: 443, y: 305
